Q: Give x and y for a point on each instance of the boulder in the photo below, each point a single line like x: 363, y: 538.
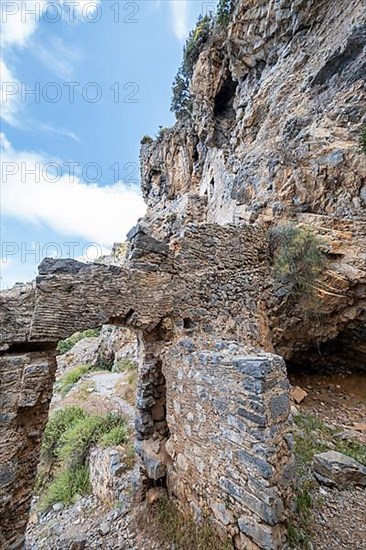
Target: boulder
x: 336, y: 469
x: 298, y: 394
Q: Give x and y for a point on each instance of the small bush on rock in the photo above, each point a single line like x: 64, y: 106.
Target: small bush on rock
x: 70, y: 378
x: 146, y: 140
x: 65, y: 345
x: 298, y: 259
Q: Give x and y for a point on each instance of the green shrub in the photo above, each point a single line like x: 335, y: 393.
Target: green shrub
x: 146, y: 140
x: 69, y: 379
x: 225, y: 9
x: 298, y: 260
x: 363, y: 140
x: 102, y: 364
x: 65, y: 345
x: 69, y: 435
x: 126, y: 365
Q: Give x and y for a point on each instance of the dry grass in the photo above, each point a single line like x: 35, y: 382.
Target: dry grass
x: 174, y: 529
x: 126, y: 387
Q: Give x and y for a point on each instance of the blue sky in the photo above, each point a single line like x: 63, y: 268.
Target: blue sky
x: 101, y: 74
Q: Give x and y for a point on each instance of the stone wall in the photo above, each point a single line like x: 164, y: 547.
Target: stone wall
x: 108, y: 475
x: 26, y: 381
x: 230, y: 443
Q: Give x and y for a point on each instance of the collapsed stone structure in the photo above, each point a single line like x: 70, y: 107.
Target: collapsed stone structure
x: 278, y: 104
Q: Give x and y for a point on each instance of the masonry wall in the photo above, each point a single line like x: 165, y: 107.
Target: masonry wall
x: 26, y: 381
x: 230, y: 442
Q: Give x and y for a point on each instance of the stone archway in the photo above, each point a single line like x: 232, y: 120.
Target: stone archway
x: 213, y: 416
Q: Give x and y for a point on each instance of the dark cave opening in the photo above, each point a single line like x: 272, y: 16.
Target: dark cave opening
x: 333, y: 375
x: 224, y: 100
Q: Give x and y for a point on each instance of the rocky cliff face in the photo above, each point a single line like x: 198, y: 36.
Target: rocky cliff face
x: 279, y: 102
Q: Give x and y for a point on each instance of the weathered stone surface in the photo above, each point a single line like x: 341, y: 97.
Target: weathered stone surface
x: 332, y: 468
x: 26, y: 382
x: 229, y: 458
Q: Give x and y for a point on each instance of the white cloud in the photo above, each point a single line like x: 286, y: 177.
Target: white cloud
x: 180, y: 18
x: 18, y: 22
x: 20, y: 19
x: 5, y: 263
x: 9, y: 97
x: 58, y: 131
x: 58, y: 58
x: 102, y: 214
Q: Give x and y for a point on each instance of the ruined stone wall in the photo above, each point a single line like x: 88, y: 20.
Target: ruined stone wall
x: 26, y: 381
x: 230, y: 443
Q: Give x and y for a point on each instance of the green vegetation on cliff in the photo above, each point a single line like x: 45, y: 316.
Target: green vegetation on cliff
x: 205, y: 27
x: 65, y: 345
x: 298, y: 259
x: 69, y: 435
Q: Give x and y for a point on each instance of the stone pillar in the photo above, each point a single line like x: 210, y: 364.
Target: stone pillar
x: 26, y: 381
x: 151, y: 427
x: 230, y: 439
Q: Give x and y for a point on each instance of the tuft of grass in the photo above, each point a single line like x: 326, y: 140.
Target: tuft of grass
x: 70, y: 378
x: 69, y: 435
x: 67, y: 486
x: 180, y: 531
x: 126, y: 365
x: 315, y: 437
x: 65, y: 345
x: 58, y: 424
x: 311, y: 438
x: 126, y: 388
x: 354, y: 449
x: 130, y: 456
x: 116, y: 436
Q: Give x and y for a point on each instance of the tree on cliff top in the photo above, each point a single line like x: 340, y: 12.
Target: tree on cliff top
x: 182, y: 100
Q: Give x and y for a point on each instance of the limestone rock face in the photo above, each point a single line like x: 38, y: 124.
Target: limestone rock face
x: 279, y: 102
